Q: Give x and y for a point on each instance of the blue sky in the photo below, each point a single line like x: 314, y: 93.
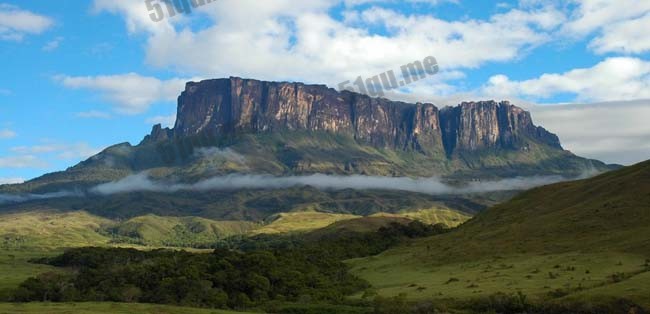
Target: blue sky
x: 82, y: 75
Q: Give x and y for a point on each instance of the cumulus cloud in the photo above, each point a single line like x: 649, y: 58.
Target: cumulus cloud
x: 620, y: 25
x: 15, y: 23
x: 131, y: 93
x: 283, y: 39
x: 434, y: 186
x: 615, y: 78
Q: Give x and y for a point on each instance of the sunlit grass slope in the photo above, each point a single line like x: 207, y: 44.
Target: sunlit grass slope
x: 587, y: 239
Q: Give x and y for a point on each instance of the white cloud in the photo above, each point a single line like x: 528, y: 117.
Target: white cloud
x: 93, y: 114
x: 22, y: 161
x: 283, y: 39
x: 11, y: 180
x: 614, y: 132
x: 630, y: 36
x: 620, y: 78
x: 165, y: 121
x: 433, y: 186
x: 620, y: 25
x: 53, y: 44
x: 6, y: 134
x: 430, y: 2
x: 15, y: 23
x: 131, y: 93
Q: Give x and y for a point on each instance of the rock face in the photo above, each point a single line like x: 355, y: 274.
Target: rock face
x: 235, y: 105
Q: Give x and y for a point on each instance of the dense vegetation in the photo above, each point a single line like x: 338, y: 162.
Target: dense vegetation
x: 250, y: 273
x: 223, y: 279
x: 339, y: 246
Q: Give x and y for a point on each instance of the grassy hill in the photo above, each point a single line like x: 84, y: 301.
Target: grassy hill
x: 257, y: 204
x: 152, y: 230
x: 300, y: 222
x: 45, y: 228
x: 608, y: 213
x: 582, y: 240
x: 48, y: 229
x: 432, y: 216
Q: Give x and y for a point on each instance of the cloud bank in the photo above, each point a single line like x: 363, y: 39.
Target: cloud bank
x: 433, y: 186
x: 141, y: 182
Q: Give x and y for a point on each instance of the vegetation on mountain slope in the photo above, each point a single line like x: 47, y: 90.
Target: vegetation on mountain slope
x: 586, y: 240
x: 47, y: 229
x: 258, y: 204
x: 298, y: 152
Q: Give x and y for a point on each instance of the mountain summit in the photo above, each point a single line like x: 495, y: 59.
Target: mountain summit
x: 224, y: 107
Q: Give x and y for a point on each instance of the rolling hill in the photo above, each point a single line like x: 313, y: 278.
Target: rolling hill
x: 581, y: 240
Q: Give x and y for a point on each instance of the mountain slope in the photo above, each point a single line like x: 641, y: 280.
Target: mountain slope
x: 586, y: 241
x: 610, y: 212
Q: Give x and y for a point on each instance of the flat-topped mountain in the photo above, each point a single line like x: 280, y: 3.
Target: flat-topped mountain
x: 236, y: 125
x: 234, y: 106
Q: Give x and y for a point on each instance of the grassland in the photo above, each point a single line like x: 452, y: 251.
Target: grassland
x: 44, y: 228
x: 152, y: 230
x: 541, y: 277
x: 585, y: 240
x: 301, y: 222
x: 15, y: 268
x: 108, y: 308
x: 47, y: 229
x: 450, y: 218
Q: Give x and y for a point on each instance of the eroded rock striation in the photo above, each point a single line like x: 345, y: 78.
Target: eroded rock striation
x: 235, y: 105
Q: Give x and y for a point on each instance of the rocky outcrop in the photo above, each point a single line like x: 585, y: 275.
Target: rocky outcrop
x: 473, y: 126
x: 235, y: 105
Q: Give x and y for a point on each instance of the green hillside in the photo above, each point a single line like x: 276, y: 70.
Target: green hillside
x: 257, y: 204
x: 49, y: 229
x: 608, y: 213
x: 45, y: 228
x: 300, y: 222
x: 299, y: 152
x: 586, y: 240
x: 151, y: 230
x: 432, y: 216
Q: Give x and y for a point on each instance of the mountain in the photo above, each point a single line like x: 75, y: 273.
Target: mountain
x: 239, y: 125
x: 580, y: 240
x: 242, y: 126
